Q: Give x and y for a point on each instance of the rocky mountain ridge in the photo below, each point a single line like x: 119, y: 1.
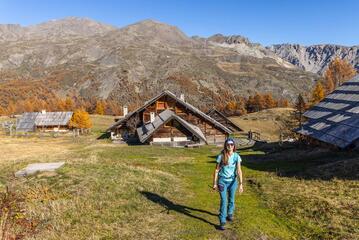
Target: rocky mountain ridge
x: 316, y: 58
x: 130, y: 64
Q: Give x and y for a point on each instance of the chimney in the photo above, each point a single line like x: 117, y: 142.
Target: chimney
x: 182, y: 96
x: 152, y: 116
x: 43, y: 111
x: 125, y: 110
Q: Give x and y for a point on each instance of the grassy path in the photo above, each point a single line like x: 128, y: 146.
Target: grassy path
x: 253, y: 219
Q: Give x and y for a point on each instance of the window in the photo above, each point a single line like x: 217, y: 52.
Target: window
x: 146, y: 117
x: 161, y: 105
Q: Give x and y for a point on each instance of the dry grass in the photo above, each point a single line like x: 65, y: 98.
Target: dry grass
x: 18, y: 149
x: 312, y: 187
x: 101, y: 122
x: 94, y: 196
x: 268, y: 122
x: 109, y: 191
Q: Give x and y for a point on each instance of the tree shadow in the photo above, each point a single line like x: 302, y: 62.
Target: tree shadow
x: 169, y: 205
x: 304, y: 162
x: 104, y: 135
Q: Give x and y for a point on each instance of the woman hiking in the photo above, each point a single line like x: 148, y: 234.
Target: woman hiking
x: 228, y: 169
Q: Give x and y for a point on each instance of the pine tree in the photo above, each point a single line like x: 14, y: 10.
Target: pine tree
x: 337, y: 73
x: 300, y: 107
x: 317, y: 94
x: 250, y: 104
x: 80, y: 119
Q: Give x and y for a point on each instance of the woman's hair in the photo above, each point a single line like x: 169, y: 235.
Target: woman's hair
x: 225, y: 153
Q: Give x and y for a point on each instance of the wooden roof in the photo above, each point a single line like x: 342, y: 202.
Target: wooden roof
x: 335, y: 120
x: 178, y: 100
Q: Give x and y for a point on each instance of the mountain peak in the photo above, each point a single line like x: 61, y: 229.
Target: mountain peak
x: 72, y: 26
x: 65, y: 27
x: 155, y: 31
x: 231, y: 39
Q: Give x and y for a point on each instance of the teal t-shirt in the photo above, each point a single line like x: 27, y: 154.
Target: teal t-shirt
x: 229, y: 171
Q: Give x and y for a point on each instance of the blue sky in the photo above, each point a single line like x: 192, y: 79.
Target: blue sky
x: 267, y: 22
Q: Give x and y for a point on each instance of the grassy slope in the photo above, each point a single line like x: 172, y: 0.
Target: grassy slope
x: 108, y: 191
x: 267, y: 122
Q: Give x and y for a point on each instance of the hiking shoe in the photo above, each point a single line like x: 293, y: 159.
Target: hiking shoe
x: 221, y: 227
x: 230, y: 218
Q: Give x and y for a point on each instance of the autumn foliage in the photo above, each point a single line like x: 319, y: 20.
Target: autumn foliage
x: 53, y: 104
x: 100, y: 108
x: 80, y: 119
x: 337, y: 73
x: 318, y: 93
x: 253, y: 103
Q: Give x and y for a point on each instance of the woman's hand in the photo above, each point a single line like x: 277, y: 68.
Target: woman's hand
x: 240, y: 189
x: 214, y: 187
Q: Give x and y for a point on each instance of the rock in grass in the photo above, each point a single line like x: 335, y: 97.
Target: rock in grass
x: 38, y: 167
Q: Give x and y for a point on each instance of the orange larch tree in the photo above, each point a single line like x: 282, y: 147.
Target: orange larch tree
x: 69, y: 104
x: 269, y: 101
x: 80, y: 119
x: 100, y: 107
x: 318, y: 93
x: 337, y: 73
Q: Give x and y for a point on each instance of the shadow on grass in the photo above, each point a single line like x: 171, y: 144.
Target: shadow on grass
x: 104, y: 135
x: 169, y: 205
x: 304, y: 162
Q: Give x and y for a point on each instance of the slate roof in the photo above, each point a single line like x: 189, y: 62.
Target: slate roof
x: 146, y: 131
x: 29, y: 120
x: 185, y: 104
x: 335, y: 120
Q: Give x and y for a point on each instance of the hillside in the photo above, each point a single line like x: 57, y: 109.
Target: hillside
x: 269, y: 123
x: 82, y: 57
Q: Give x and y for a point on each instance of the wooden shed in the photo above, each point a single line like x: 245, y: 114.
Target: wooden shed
x: 167, y: 118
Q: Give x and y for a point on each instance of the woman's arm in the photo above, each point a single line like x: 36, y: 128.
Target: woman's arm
x: 215, y: 176
x: 240, y: 176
